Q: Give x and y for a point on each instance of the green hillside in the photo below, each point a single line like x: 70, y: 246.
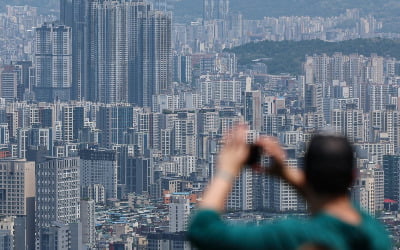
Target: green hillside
x: 288, y: 56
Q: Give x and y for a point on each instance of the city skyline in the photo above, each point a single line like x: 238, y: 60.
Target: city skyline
x: 113, y: 113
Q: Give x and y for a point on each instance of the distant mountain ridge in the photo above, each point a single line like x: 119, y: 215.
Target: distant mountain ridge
x: 256, y: 9
x: 44, y: 6
x: 288, y: 56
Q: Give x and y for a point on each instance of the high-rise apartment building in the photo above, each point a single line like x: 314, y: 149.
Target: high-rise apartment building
x: 58, y: 192
x: 241, y: 196
x: 215, y: 9
x: 349, y: 122
x: 99, y: 167
x: 391, y: 168
x: 283, y: 196
x: 252, y: 109
x: 6, y: 240
x: 160, y: 52
x: 67, y: 123
x: 60, y: 236
x: 363, y: 192
x: 88, y: 222
x: 73, y: 13
x: 214, y: 90
x: 53, y: 62
x: 184, y: 126
x: 375, y: 151
x: 8, y: 83
x: 17, y: 195
x: 113, y: 121
x: 129, y: 52
x: 183, y: 68
x: 178, y: 211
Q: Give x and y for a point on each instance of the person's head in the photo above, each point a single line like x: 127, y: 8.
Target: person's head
x: 329, y: 165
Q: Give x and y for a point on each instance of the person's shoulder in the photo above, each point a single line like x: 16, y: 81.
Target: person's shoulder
x: 375, y: 230
x: 302, y: 227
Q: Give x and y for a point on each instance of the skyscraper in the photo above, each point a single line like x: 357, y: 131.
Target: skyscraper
x: 215, y: 9
x: 391, y: 168
x: 58, y: 194
x: 129, y: 52
x: 73, y: 13
x: 252, y: 109
x: 17, y: 194
x: 113, y: 121
x: 88, y: 222
x: 8, y: 83
x: 60, y: 236
x: 160, y: 52
x: 53, y: 60
x: 99, y: 167
x: 179, y: 211
x: 183, y: 68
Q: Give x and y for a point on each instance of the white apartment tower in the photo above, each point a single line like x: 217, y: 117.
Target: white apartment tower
x: 363, y: 191
x: 241, y: 196
x: 88, y: 223
x: 178, y: 211
x: 58, y: 193
x: 129, y: 52
x: 18, y: 187
x: 99, y: 167
x: 68, y: 123
x: 17, y: 196
x: 285, y: 197
x: 53, y: 62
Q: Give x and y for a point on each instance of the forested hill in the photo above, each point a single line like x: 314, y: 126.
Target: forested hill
x: 288, y: 56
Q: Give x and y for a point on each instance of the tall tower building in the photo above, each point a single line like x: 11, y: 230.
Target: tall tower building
x: 215, y: 9
x: 67, y: 123
x: 184, y: 126
x: 178, y: 211
x: 349, y: 122
x: 60, y: 236
x: 284, y: 196
x: 182, y: 68
x: 8, y: 83
x: 58, y: 194
x: 129, y: 52
x: 252, y: 109
x: 99, y: 167
x: 241, y: 197
x: 53, y: 60
x: 113, y: 121
x: 73, y: 14
x: 17, y: 194
x: 363, y: 192
x: 160, y: 52
x: 391, y: 169
x: 66, y: 12
x: 88, y: 223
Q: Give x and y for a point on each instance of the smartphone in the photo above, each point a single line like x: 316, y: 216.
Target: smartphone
x: 255, y: 155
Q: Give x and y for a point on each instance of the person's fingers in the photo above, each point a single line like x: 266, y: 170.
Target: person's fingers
x: 260, y: 170
x: 239, y: 135
x: 272, y: 147
x: 226, y: 138
x: 235, y: 135
x: 268, y: 143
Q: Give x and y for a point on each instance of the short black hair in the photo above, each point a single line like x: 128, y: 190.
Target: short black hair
x: 329, y: 165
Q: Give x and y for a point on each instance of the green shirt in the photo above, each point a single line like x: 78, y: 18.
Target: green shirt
x: 208, y: 231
